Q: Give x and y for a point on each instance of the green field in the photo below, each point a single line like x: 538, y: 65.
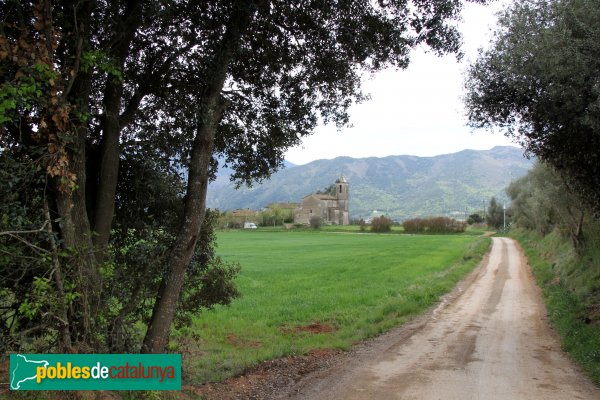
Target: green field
x: 303, y: 290
x: 471, y: 230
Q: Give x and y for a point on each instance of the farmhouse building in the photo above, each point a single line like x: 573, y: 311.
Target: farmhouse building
x: 331, y: 207
x: 239, y: 217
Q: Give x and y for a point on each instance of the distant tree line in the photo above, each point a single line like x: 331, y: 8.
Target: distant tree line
x: 497, y: 216
x: 475, y: 218
x: 272, y: 216
x: 542, y: 201
x: 433, y: 225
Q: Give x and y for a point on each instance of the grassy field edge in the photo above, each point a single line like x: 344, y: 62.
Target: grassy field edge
x: 569, y: 289
x: 416, y: 299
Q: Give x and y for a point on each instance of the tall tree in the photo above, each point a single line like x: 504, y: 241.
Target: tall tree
x: 242, y: 79
x: 540, y: 82
x: 495, y: 214
x: 542, y: 201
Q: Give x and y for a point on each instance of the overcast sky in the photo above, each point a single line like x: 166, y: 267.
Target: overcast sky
x: 417, y: 111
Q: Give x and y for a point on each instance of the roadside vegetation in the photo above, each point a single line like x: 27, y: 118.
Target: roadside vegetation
x: 570, y: 286
x: 309, y: 290
x: 561, y: 238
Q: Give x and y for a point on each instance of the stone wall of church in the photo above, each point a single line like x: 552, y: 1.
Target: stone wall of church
x: 332, y: 210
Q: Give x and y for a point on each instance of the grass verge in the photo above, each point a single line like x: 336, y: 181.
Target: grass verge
x: 570, y: 284
x: 306, y: 290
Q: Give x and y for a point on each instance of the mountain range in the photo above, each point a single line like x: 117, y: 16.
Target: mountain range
x: 399, y: 186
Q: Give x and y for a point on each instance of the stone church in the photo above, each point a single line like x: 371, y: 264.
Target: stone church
x: 331, y: 207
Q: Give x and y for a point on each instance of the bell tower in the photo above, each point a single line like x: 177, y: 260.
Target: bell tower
x: 342, y: 193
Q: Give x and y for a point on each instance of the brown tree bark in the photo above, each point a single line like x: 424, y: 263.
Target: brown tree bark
x: 111, y: 131
x: 76, y: 234
x: 170, y: 288
x: 209, y: 115
x: 71, y: 203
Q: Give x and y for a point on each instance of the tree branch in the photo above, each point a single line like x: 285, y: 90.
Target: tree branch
x: 33, y: 246
x: 75, y: 69
x: 237, y: 93
x: 150, y: 79
x: 15, y: 256
x: 11, y: 233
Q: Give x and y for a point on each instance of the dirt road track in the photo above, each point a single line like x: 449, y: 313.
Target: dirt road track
x: 492, y: 341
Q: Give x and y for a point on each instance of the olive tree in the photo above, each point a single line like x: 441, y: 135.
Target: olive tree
x: 540, y: 82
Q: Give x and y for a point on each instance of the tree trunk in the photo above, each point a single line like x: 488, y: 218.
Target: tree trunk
x: 209, y: 114
x: 71, y: 205
x: 577, y: 236
x: 66, y: 345
x: 108, y: 176
x: 111, y: 130
x: 170, y: 288
x: 77, y: 237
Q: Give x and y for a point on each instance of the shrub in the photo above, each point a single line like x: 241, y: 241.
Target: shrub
x: 433, y: 225
x: 316, y: 222
x: 381, y: 224
x: 474, y: 219
x: 362, y: 224
x: 415, y: 225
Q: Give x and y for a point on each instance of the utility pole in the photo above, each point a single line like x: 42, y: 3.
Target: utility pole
x: 504, y: 209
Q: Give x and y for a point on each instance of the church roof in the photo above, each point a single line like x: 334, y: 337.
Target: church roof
x: 322, y: 196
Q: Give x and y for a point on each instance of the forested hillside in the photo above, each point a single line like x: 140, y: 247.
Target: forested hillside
x: 400, y: 186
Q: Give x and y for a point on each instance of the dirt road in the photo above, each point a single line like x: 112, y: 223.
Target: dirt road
x: 491, y: 341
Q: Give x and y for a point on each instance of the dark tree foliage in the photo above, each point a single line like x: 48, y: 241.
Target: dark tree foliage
x: 328, y: 190
x: 362, y: 224
x: 137, y: 273
x: 150, y: 191
x: 147, y: 214
x: 148, y: 211
x: 96, y: 83
x: 495, y: 214
x: 474, y: 219
x: 540, y: 82
x: 542, y: 202
x: 20, y: 263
